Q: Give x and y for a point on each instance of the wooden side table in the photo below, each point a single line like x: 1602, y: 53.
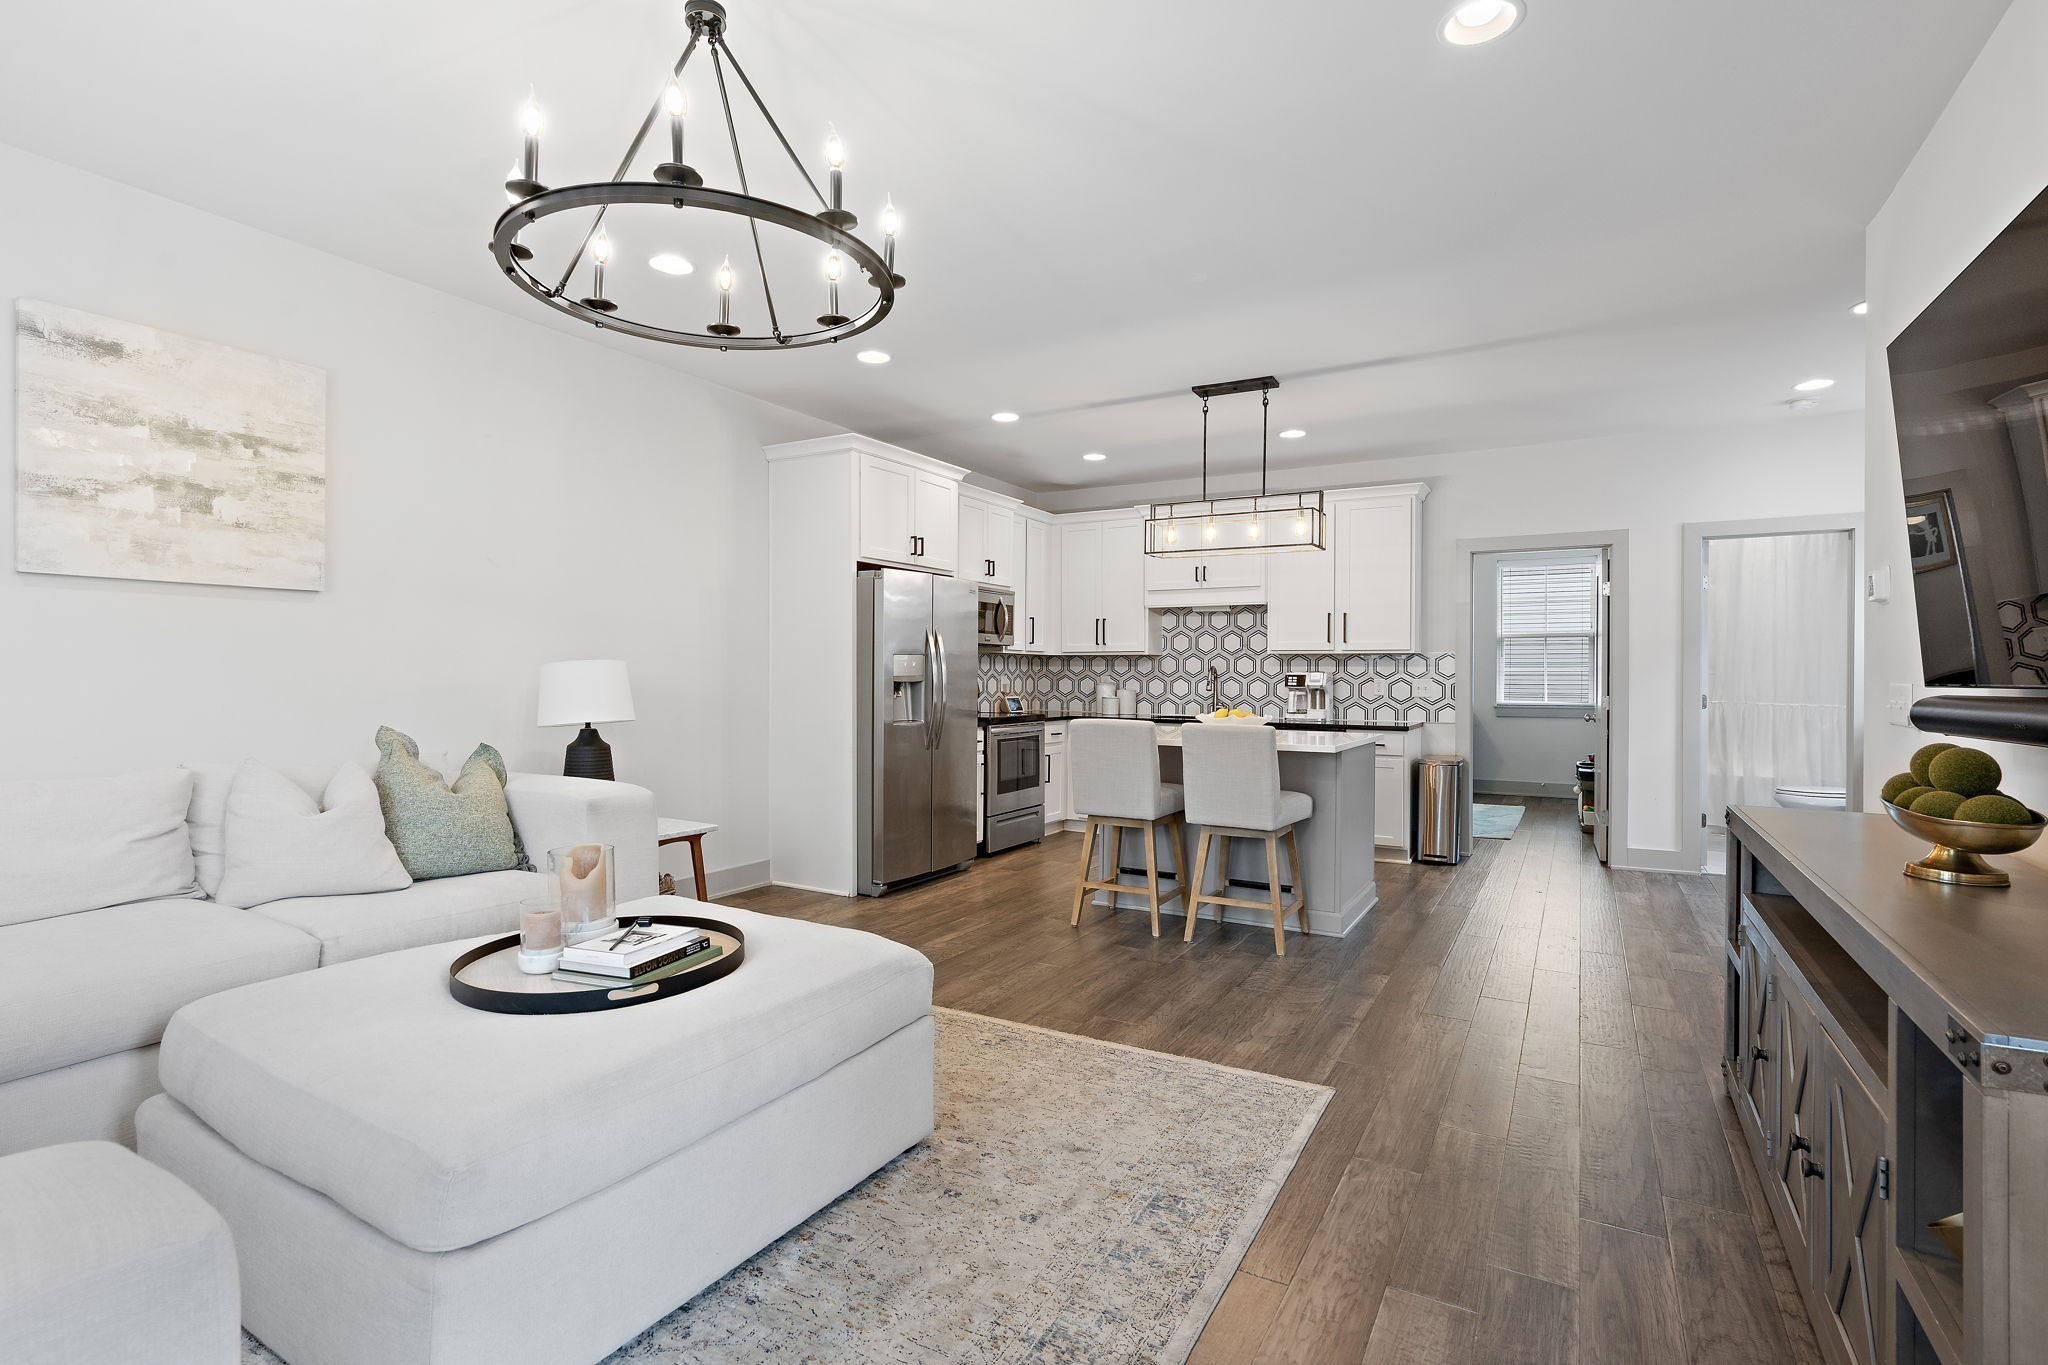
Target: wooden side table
x: 691, y: 832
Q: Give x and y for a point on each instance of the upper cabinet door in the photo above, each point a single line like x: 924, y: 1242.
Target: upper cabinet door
x: 1173, y: 573
x: 1123, y: 586
x: 1243, y: 572
x: 1301, y: 602
x: 1081, y: 588
x: 937, y: 522
x: 1005, y: 571
x: 973, y: 545
x: 1377, y: 549
x: 1038, y: 598
x: 888, y: 511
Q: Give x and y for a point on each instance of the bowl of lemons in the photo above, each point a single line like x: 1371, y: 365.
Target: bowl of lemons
x: 1951, y: 798
x: 1232, y: 715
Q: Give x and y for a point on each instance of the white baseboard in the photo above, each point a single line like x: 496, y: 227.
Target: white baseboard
x: 1651, y: 860
x: 1502, y: 787
x: 728, y: 881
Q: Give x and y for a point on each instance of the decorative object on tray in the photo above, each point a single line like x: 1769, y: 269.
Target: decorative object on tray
x: 583, y: 872
x: 589, y: 693
x: 441, y: 830
x: 146, y: 454
x: 1232, y: 715
x: 489, y: 977
x: 1950, y: 797
x: 540, y: 938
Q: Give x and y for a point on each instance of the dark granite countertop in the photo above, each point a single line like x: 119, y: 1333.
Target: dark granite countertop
x: 1029, y: 716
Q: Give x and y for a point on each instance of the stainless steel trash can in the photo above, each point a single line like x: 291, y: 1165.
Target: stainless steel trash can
x: 1440, y: 810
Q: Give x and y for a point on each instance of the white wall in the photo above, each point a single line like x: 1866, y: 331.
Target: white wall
x: 1523, y: 755
x: 500, y: 494
x: 1985, y: 160
x: 1648, y: 485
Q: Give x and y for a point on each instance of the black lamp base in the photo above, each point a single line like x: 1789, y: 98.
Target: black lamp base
x: 588, y: 756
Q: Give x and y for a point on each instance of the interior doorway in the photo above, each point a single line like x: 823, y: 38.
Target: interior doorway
x: 1772, y: 650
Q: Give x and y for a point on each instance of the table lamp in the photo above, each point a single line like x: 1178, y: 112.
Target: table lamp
x: 589, y: 693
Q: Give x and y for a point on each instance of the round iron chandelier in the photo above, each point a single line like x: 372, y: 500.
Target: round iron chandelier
x: 578, y: 290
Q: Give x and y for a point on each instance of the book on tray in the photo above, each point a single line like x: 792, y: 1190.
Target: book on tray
x: 634, y: 950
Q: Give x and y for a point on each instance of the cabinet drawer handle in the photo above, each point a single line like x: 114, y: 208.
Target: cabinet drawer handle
x: 1329, y: 627
x: 1347, y: 627
x: 1811, y: 1171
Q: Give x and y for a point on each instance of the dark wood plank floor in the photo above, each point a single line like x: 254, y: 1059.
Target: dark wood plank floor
x: 1528, y: 1157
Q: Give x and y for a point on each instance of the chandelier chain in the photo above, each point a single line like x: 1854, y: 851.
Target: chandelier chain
x: 1205, y: 447
x: 1265, y: 411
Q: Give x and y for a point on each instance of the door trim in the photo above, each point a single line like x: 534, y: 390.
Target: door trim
x: 1692, y: 668
x: 1619, y: 852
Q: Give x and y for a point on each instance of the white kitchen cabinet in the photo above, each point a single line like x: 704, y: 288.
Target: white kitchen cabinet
x: 1056, y: 781
x: 1102, y: 585
x: 1393, y: 798
x: 1362, y: 595
x: 1038, y: 587
x: 1205, y: 581
x: 909, y: 515
x: 988, y: 538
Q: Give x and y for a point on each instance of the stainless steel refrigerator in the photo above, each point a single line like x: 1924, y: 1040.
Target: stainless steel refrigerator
x: 916, y: 719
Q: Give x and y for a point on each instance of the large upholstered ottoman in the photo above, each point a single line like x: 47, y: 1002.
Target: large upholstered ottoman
x: 409, y: 1180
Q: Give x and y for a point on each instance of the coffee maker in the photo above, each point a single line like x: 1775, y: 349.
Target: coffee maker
x: 1308, y: 696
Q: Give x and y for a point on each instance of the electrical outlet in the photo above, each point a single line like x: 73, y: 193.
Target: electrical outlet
x: 1899, y: 704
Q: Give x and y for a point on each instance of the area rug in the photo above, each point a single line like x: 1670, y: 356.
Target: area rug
x: 1496, y: 822
x: 1080, y: 1202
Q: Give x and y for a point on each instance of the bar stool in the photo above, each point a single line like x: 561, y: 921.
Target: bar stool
x: 1231, y: 776
x: 1113, y: 766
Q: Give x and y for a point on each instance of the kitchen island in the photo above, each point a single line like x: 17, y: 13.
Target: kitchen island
x: 1336, y: 769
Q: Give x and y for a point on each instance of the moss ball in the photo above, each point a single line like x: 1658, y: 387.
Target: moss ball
x: 1939, y: 804
x: 1994, y: 809
x: 1966, y: 772
x: 1898, y: 784
x: 1905, y: 799
x: 1922, y: 757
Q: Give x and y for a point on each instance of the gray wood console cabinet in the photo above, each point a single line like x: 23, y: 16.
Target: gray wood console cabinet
x: 1887, y: 1054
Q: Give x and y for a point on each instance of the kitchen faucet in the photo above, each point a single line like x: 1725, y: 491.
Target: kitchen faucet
x: 1215, y: 691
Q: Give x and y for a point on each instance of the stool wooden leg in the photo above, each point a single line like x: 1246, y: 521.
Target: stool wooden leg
x: 1300, y: 879
x: 1279, y: 905
x: 1222, y: 876
x: 697, y: 865
x: 1081, y: 878
x: 1194, y: 899
x: 1152, y: 872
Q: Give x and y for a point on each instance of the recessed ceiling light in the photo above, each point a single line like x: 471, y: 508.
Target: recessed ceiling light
x: 873, y: 357
x: 1798, y: 403
x: 1862, y: 307
x: 1480, y: 21
x: 1095, y: 455
x: 1292, y: 434
x: 668, y: 263
x: 1813, y: 385
x: 1002, y: 417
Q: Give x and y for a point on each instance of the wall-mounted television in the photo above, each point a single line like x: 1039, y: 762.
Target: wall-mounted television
x: 1970, y: 396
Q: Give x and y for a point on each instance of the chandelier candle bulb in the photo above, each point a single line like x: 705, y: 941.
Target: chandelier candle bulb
x: 835, y: 159
x: 723, y: 327
x: 889, y: 225
x: 673, y: 98
x: 525, y: 179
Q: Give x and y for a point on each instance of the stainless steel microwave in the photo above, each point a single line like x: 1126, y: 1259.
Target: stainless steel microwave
x: 996, y: 618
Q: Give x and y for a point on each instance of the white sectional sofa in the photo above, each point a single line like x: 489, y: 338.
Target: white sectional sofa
x: 85, y: 993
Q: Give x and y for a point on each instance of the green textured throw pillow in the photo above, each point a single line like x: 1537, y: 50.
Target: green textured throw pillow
x: 441, y: 831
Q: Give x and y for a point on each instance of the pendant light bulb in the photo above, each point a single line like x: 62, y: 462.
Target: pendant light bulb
x: 1251, y: 530
x: 1172, y: 534
x: 672, y: 99
x: 1300, y: 527
x: 601, y: 248
x: 529, y: 116
x: 835, y: 150
x: 724, y: 277
x: 1209, y: 531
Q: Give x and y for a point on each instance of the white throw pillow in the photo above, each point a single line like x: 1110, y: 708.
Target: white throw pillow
x: 93, y: 842
x: 281, y: 843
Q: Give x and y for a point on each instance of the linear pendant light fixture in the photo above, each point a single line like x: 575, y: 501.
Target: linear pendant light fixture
x: 1265, y: 524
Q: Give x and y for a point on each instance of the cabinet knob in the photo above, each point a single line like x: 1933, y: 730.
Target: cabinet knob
x: 1811, y: 1171
x: 1759, y: 1054
x: 1798, y: 1144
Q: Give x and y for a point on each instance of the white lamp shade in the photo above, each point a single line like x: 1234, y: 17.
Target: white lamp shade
x: 579, y: 691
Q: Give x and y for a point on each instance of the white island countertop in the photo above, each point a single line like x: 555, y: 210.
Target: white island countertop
x: 1296, y: 741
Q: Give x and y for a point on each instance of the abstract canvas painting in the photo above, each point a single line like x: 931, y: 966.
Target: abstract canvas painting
x: 145, y: 454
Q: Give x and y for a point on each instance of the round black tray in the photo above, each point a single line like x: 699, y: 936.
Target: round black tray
x: 502, y: 988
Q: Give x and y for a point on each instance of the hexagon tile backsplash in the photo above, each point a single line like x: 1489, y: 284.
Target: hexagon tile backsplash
x: 1368, y: 689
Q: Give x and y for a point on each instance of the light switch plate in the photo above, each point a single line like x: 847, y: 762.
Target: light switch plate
x: 1899, y: 705
x: 1878, y: 584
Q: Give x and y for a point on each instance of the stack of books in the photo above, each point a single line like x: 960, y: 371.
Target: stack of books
x: 635, y: 950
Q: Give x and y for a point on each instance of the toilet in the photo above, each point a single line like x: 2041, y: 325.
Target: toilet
x: 1813, y: 798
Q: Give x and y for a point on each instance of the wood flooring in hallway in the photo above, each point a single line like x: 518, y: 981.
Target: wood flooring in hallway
x: 1528, y: 1158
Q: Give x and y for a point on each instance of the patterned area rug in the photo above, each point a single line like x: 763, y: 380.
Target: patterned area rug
x: 1080, y: 1202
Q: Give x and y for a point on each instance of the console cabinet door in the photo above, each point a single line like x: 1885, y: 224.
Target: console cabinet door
x: 1798, y: 1163
x: 1757, y: 1106
x: 1852, y: 1249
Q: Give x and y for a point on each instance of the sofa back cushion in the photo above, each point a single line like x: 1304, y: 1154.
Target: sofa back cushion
x: 280, y: 842
x: 442, y: 830
x: 86, y: 843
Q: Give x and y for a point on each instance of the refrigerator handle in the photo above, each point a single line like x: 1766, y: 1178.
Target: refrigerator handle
x: 935, y: 709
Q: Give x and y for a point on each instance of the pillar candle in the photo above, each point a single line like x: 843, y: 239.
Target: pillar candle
x: 540, y: 929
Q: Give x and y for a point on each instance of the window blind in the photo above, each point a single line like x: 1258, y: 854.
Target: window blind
x: 1548, y: 628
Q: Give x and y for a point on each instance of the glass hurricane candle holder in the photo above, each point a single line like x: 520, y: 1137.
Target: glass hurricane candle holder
x: 583, y: 876
x: 540, y: 935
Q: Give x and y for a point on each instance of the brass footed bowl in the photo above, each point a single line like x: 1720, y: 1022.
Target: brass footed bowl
x: 1955, y: 858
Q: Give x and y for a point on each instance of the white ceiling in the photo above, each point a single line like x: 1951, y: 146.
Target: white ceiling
x: 1626, y: 215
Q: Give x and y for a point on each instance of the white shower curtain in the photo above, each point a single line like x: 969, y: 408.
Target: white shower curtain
x: 1777, y: 666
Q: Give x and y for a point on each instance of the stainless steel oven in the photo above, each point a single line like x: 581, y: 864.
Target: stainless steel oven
x: 1013, y: 793
x: 996, y: 618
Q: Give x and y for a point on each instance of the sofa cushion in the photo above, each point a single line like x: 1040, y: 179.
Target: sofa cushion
x: 441, y: 1125
x: 437, y: 911
x: 281, y: 842
x: 101, y: 981
x: 92, y: 842
x: 443, y: 829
